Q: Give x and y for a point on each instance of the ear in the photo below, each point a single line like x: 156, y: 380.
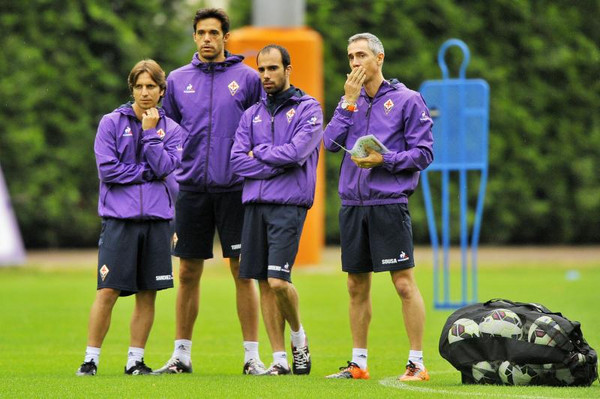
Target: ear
x: 288, y: 71
x: 226, y: 37
x: 380, y: 58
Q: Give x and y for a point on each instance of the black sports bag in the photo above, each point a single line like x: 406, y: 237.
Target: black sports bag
x: 516, y: 343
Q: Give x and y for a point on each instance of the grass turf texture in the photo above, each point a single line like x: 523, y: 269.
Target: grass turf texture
x: 43, y: 328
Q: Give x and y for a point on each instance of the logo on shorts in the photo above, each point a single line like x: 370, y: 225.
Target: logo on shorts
x: 392, y: 261
x: 285, y: 268
x: 104, y: 272
x: 164, y: 277
x: 236, y: 246
x: 403, y: 257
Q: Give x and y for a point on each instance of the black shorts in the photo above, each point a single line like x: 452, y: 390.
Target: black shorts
x: 376, y: 238
x: 270, y: 240
x: 198, y: 214
x: 134, y: 256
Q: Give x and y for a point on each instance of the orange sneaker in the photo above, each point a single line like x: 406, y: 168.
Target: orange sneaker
x: 414, y: 373
x: 352, y: 371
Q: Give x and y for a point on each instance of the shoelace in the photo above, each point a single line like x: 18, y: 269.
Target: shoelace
x: 300, y: 358
x: 142, y: 366
x: 412, y: 368
x: 350, y: 365
x: 87, y: 366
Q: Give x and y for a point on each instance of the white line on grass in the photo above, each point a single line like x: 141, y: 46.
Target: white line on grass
x: 392, y: 382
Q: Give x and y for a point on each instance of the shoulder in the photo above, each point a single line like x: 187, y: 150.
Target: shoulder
x: 183, y: 70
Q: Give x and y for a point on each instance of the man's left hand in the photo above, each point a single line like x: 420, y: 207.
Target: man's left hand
x: 370, y: 161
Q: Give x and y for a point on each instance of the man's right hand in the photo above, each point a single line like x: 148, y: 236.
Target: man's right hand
x: 354, y: 82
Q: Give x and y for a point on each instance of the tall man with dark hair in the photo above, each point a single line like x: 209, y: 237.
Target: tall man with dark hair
x: 207, y: 97
x: 276, y: 150
x: 375, y: 226
x: 137, y: 148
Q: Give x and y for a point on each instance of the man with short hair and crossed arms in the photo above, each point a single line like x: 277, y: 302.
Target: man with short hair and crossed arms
x: 276, y: 150
x: 375, y: 225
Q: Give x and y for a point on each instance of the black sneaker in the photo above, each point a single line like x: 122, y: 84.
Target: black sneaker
x: 301, y: 359
x: 87, y: 368
x: 254, y: 367
x: 174, y: 366
x: 139, y: 368
x: 277, y: 369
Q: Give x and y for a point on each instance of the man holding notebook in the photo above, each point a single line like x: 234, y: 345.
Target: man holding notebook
x: 375, y: 225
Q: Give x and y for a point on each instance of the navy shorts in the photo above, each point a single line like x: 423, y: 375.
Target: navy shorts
x: 270, y: 240
x: 376, y: 238
x: 199, y: 214
x: 134, y: 255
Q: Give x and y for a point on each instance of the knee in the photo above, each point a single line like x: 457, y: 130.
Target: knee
x: 107, y: 296
x: 358, y: 289
x: 190, y: 272
x: 405, y: 287
x: 278, y: 286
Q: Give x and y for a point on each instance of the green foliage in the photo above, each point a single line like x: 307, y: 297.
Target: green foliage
x: 64, y: 65
x: 542, y: 61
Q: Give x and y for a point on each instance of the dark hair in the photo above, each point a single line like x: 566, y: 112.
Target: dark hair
x: 217, y: 13
x: 285, y: 56
x: 150, y: 66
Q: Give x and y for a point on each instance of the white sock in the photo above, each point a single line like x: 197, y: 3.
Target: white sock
x: 359, y: 356
x: 298, y: 338
x: 281, y: 359
x: 416, y: 357
x: 183, y: 351
x: 92, y: 354
x: 251, y: 351
x: 134, y: 355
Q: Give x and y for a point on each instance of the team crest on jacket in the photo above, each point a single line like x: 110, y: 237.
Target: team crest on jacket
x: 233, y: 87
x: 290, y: 114
x: 127, y: 132
x: 160, y: 133
x: 387, y: 106
x: 104, y: 272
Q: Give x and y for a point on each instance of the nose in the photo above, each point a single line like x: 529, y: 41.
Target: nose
x: 206, y: 37
x: 144, y: 91
x: 354, y: 63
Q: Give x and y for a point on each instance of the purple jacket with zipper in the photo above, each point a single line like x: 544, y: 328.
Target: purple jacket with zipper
x: 134, y: 165
x: 399, y: 118
x: 207, y: 100
x: 285, y: 148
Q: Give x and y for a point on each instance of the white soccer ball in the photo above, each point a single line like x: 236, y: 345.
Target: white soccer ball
x: 463, y: 329
x: 544, y: 330
x: 484, y: 373
x: 513, y: 374
x: 502, y: 323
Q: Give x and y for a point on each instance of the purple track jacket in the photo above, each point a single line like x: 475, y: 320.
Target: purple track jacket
x: 134, y: 165
x: 399, y: 118
x: 286, y: 150
x: 207, y: 100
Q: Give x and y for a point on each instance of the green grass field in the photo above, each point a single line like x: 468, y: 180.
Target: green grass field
x: 43, y: 327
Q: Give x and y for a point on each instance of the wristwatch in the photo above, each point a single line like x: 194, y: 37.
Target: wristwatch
x: 347, y: 106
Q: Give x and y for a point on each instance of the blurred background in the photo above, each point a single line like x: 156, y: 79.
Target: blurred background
x: 64, y: 64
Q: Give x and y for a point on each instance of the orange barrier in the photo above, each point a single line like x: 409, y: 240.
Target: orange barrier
x: 306, y: 51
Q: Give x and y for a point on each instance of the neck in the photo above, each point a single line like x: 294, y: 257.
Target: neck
x: 373, y: 85
x: 139, y: 113
x: 219, y: 58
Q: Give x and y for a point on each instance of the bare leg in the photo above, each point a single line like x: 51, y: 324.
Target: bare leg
x: 188, y: 296
x: 413, y: 307
x: 100, y: 315
x: 274, y: 321
x: 142, y: 318
x: 287, y: 301
x: 246, y: 296
x: 359, y: 289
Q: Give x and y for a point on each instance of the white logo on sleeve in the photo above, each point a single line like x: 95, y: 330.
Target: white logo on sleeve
x: 104, y: 272
x: 424, y: 117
